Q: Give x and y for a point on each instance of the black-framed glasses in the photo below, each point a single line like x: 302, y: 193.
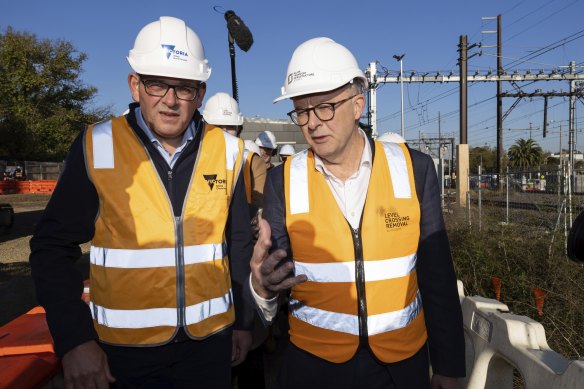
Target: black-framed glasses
x: 158, y: 88
x: 323, y: 111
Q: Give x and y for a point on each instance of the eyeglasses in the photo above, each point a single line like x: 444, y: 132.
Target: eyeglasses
x: 160, y: 89
x: 323, y: 111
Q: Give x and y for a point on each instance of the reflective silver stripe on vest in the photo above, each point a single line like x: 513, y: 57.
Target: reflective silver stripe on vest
x: 154, y: 317
x: 231, y: 150
x: 343, y: 322
x: 398, y: 168
x: 146, y: 258
x: 204, y: 310
x: 103, y: 145
x: 299, y: 183
x: 384, y: 269
x: 384, y: 322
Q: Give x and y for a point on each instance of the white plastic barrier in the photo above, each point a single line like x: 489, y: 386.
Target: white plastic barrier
x: 498, y: 341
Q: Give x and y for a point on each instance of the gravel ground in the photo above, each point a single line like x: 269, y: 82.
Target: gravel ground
x: 16, y: 289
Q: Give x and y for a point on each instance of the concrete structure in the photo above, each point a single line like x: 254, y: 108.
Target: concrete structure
x: 285, y: 131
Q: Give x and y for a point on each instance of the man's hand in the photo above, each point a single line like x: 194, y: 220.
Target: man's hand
x: 85, y: 366
x: 271, y: 273
x: 240, y: 346
x: 443, y: 382
x: 255, y: 227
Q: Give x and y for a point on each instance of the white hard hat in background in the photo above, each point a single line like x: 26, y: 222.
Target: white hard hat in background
x: 287, y: 150
x: 222, y: 110
x: 169, y: 48
x: 266, y: 139
x: 391, y: 137
x: 319, y: 65
x: 251, y: 146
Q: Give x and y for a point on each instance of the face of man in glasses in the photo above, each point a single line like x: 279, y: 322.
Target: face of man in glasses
x: 331, y: 139
x: 167, y: 116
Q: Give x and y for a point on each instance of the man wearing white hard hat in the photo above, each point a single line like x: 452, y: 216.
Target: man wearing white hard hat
x: 286, y: 151
x: 391, y: 137
x: 266, y: 140
x: 354, y: 228
x: 158, y: 196
x: 222, y: 110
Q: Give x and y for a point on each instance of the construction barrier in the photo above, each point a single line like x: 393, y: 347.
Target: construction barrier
x: 20, y: 187
x: 27, y: 357
x: 500, y: 344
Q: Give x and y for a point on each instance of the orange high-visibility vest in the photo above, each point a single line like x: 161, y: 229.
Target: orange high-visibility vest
x: 152, y: 272
x: 375, y: 264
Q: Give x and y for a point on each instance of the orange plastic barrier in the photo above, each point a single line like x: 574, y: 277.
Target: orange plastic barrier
x: 19, y: 187
x: 27, y: 358
x: 28, y: 371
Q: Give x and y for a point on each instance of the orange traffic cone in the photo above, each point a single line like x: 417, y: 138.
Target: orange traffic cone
x: 538, y: 295
x: 496, y: 282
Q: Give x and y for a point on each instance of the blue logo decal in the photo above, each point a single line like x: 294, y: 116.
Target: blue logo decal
x: 169, y: 49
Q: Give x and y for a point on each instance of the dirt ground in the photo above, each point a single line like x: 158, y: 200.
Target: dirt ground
x: 17, y: 294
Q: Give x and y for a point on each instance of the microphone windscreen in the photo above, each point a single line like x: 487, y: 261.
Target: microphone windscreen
x: 238, y: 31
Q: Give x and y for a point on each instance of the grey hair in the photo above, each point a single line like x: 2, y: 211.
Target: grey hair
x: 359, y: 85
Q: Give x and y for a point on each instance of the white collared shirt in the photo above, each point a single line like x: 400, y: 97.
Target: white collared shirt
x: 351, y: 193
x: 188, y: 136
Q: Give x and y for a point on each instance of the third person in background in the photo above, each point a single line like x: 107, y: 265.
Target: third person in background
x: 266, y: 140
x: 286, y: 151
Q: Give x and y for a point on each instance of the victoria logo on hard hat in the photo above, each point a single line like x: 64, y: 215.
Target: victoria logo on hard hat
x: 176, y: 54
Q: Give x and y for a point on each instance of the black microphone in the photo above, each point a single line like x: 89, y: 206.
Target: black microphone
x: 238, y: 30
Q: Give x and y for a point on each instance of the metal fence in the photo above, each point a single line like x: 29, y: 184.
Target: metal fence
x: 34, y: 170
x: 546, y: 199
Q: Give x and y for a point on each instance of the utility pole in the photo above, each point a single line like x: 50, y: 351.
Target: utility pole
x: 571, y: 140
x: 463, y: 88
x: 441, y: 160
x: 499, y: 100
x: 462, y: 158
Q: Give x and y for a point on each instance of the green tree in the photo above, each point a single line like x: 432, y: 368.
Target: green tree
x: 485, y: 155
x: 43, y: 102
x: 525, y: 154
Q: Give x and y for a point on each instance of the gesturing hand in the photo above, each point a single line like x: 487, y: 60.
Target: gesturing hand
x: 271, y: 273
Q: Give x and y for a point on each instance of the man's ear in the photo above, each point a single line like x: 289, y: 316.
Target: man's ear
x: 202, y: 91
x: 359, y: 105
x: 134, y: 84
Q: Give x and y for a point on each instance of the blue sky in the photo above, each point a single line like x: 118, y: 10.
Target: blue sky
x: 426, y: 31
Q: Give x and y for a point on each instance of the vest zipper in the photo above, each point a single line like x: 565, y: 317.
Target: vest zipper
x: 360, y: 282
x: 180, y: 274
x: 170, y: 188
x: 179, y: 249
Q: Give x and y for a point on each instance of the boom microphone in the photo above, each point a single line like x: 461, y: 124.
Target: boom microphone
x: 238, y: 30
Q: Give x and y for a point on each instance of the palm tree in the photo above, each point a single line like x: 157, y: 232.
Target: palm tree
x: 525, y: 154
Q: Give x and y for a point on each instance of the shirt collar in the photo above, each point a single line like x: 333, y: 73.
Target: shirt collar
x: 187, y: 136
x: 366, y: 158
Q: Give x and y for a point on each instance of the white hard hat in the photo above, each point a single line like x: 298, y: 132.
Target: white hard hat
x: 287, y: 150
x: 251, y: 146
x: 169, y: 48
x: 266, y: 139
x: 319, y: 65
x: 222, y: 110
x: 391, y: 137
